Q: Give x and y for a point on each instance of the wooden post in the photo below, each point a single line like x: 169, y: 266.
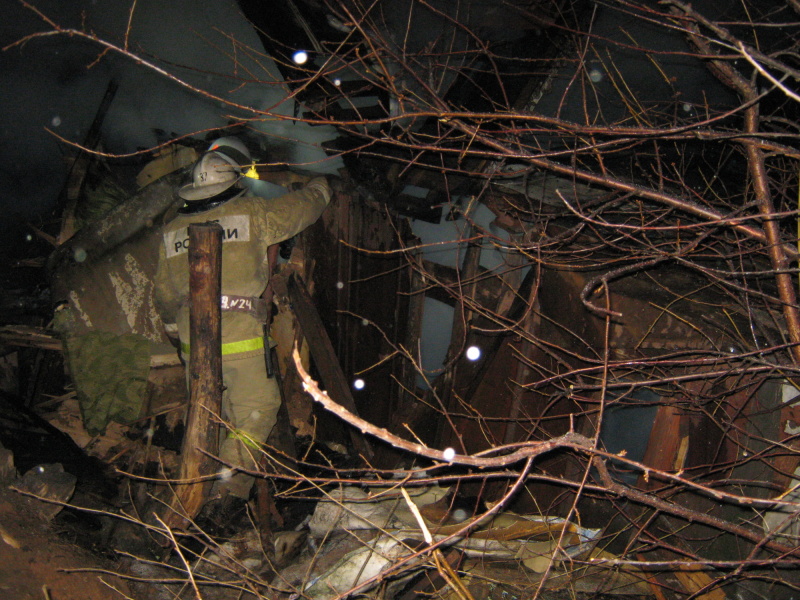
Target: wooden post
x: 205, y: 373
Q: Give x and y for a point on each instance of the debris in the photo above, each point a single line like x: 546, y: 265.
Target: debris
x: 357, y: 568
x: 30, y: 337
x: 318, y: 561
x: 288, y: 544
x: 781, y: 522
x: 47, y: 488
x: 9, y: 539
x: 8, y: 472
x: 503, y: 536
x: 353, y: 508
x: 388, y: 531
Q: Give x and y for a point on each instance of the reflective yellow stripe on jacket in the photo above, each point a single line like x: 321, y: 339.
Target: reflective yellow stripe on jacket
x: 234, y: 347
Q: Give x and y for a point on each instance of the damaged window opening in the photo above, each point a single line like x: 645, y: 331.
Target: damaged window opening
x: 470, y: 300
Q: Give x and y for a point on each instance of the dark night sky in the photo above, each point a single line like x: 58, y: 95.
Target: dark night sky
x: 57, y: 83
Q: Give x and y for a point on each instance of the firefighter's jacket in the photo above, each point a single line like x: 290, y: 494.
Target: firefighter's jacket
x: 250, y: 225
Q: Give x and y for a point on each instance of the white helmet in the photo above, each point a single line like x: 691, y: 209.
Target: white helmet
x: 212, y: 174
x: 234, y: 150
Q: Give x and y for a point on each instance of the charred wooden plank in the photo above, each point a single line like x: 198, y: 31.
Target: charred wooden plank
x: 325, y: 358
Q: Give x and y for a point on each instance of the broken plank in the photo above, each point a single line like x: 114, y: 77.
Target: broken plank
x: 325, y: 359
x: 693, y: 580
x: 29, y: 337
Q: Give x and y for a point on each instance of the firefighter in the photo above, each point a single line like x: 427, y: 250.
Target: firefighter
x: 250, y: 225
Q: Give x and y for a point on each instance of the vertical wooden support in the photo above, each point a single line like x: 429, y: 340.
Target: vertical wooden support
x: 416, y: 312
x: 493, y: 356
x: 527, y: 350
x: 205, y: 372
x: 459, y: 332
x: 408, y: 412
x: 462, y: 315
x: 325, y: 358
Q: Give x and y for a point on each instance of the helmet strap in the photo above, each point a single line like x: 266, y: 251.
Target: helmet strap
x: 198, y: 206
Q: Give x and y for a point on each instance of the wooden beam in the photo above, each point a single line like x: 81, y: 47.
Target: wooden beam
x: 325, y: 359
x: 462, y: 315
x: 29, y: 336
x: 205, y: 373
x: 26, y: 336
x: 139, y: 213
x: 80, y: 165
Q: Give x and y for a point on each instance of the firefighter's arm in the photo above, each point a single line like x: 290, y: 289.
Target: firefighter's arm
x: 318, y: 190
x: 293, y: 212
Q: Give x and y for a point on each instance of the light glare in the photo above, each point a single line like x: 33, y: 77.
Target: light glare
x: 473, y: 353
x: 300, y: 57
x: 359, y: 384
